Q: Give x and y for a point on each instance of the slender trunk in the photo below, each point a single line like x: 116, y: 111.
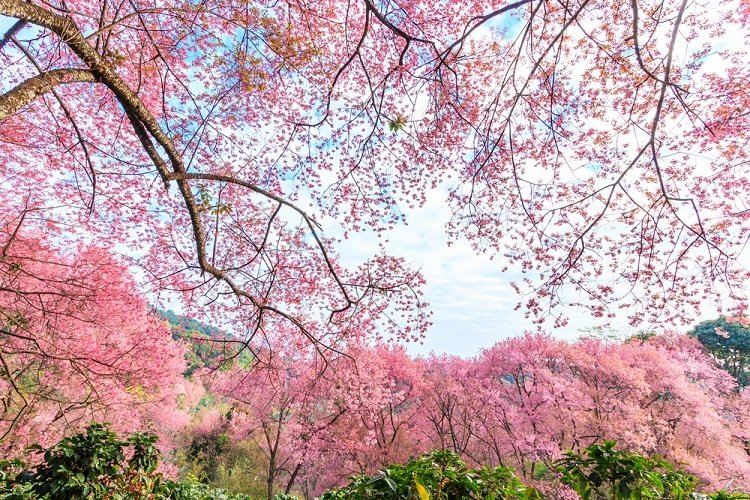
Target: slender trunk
x: 290, y: 484
x: 269, y: 481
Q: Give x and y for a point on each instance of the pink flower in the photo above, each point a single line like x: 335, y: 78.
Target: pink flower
x: 721, y: 332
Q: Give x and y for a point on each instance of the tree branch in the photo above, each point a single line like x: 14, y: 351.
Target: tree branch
x: 28, y: 90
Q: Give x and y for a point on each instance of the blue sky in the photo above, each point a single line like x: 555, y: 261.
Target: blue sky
x: 471, y: 299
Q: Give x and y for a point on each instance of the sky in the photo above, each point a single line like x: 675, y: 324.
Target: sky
x: 471, y: 299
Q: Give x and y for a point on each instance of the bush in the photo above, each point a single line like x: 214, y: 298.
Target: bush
x: 602, y: 472
x: 439, y: 475
x: 93, y: 465
x: 97, y: 465
x: 192, y: 489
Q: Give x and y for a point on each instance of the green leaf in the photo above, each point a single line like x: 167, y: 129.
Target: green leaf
x: 391, y: 483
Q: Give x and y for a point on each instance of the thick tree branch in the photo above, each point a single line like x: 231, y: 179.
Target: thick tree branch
x: 28, y: 90
x: 71, y: 35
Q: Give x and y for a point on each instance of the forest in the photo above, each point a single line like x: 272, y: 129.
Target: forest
x: 202, y: 294
x: 651, y: 416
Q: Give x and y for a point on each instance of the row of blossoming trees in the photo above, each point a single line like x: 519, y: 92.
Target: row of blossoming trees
x: 520, y: 404
x: 78, y: 344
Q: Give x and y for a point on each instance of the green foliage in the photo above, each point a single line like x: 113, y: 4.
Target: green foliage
x: 12, y: 480
x: 208, y: 446
x: 439, y: 475
x: 602, y: 472
x: 96, y: 464
x: 397, y: 124
x: 192, y: 489
x: 93, y: 465
x: 730, y: 346
x: 238, y: 466
x: 205, y: 202
x: 145, y: 453
x: 181, y: 324
x: 204, y: 454
x: 722, y: 495
x: 207, y: 346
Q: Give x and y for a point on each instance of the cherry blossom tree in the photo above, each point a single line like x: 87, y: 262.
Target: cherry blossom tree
x: 266, y: 407
x: 663, y: 396
x: 451, y: 401
x: 197, y: 109
x: 77, y: 344
x: 594, y: 144
x: 317, y: 427
x: 368, y: 413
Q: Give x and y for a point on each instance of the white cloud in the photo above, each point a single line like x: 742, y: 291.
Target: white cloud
x: 472, y: 300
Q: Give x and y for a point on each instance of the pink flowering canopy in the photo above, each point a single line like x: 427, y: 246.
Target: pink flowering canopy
x: 522, y: 403
x: 596, y: 145
x: 77, y: 344
x: 216, y: 153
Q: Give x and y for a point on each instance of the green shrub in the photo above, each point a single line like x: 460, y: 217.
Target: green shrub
x: 721, y: 495
x: 92, y: 465
x: 602, y: 472
x: 192, y: 489
x: 439, y: 475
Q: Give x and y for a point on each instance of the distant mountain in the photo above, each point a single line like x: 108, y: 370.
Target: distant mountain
x: 208, y: 346
x: 181, y: 325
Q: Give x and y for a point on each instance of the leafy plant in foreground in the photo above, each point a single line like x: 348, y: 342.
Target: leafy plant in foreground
x: 437, y: 475
x: 94, y: 465
x: 602, y: 472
